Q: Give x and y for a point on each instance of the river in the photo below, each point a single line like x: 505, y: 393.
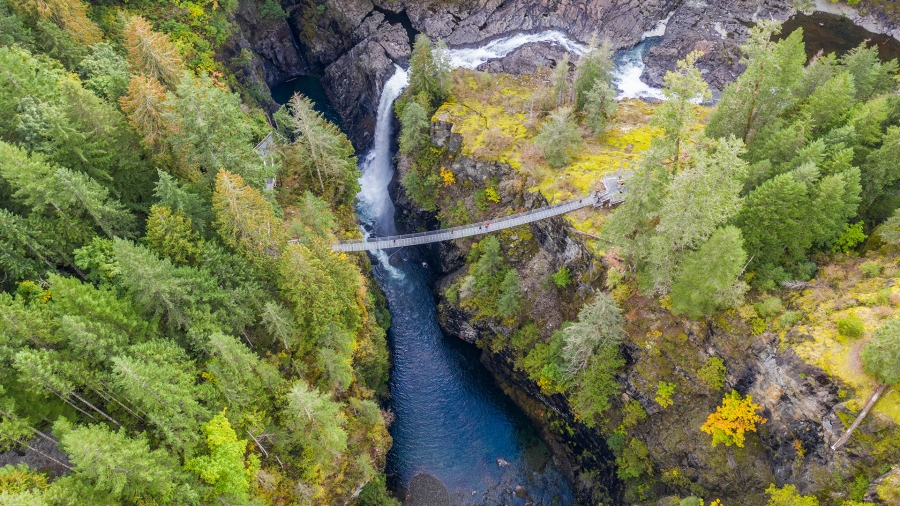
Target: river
x: 452, y: 421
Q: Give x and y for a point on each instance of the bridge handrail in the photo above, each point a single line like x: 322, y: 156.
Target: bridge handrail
x: 469, y: 226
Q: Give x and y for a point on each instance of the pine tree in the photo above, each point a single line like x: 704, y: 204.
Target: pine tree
x: 561, y: 81
x: 169, y: 234
x: 429, y: 71
x: 245, y: 219
x: 240, y: 376
x: 152, y: 53
x: 707, y: 278
x: 599, y: 326
x: 317, y: 424
x: 510, y: 300
x: 594, y: 70
x: 683, y: 89
x: 871, y: 76
x: 105, y: 72
x: 160, y: 379
x: 600, y: 107
x: 414, y: 128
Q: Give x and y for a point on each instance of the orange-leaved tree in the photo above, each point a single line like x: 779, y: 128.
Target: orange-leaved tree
x: 152, y: 53
x: 732, y: 419
x: 70, y: 15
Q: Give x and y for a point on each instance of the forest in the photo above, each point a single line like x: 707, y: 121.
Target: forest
x: 158, y: 325
x: 172, y: 332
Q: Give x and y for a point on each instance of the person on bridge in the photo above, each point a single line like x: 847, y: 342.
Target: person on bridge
x: 488, y: 225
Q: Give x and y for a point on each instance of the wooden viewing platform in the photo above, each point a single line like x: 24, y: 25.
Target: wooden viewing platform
x: 613, y: 194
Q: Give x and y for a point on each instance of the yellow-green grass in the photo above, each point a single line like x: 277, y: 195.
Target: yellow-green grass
x: 838, y: 355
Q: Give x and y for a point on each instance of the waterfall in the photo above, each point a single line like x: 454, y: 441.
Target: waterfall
x: 471, y: 58
x: 377, y: 170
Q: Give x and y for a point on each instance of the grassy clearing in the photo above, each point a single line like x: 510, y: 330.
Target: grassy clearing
x: 842, y: 290
x: 498, y: 116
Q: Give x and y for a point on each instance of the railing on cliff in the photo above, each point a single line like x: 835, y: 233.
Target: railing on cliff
x: 613, y: 195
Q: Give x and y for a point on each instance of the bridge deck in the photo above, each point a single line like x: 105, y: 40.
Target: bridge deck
x: 612, y: 196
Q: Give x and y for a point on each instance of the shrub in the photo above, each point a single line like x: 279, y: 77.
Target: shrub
x: 769, y: 307
x: 563, y: 277
x: 789, y: 318
x: 850, y: 326
x: 634, y: 461
x: 881, y: 355
x: 870, y: 269
x: 788, y: 496
x: 632, y: 414
x: 664, y: 393
x: 713, y: 373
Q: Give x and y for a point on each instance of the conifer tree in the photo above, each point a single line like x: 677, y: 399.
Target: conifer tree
x: 684, y: 88
x: 765, y: 89
x: 559, y: 138
x: 414, y: 133
x: 245, y: 219
x: 599, y: 326
x: 152, y: 53
x: 429, y: 70
x: 321, y: 149
x: 70, y: 15
x: 881, y: 355
x: 707, y: 277
x: 594, y: 69
x: 158, y: 376
x: 145, y: 105
x: 122, y: 467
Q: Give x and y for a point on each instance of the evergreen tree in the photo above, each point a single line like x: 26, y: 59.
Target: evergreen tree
x: 599, y: 326
x: 595, y: 68
x: 169, y: 234
x: 316, y: 423
x: 510, y: 300
x: 245, y: 220
x: 414, y: 128
x: 323, y: 152
x: 160, y: 379
x: 429, y: 70
x: 683, y: 89
x: 105, y: 72
x: 559, y: 138
x: 122, y: 467
x: 210, y: 132
x: 871, y: 77
x: 561, y: 86
x: 707, y: 277
x: 765, y: 89
x: 600, y: 107
x: 152, y: 53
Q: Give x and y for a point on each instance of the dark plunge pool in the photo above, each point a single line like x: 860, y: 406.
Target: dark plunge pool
x: 836, y: 34
x: 311, y: 86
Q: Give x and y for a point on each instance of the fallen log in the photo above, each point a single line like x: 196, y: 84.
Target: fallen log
x: 862, y: 414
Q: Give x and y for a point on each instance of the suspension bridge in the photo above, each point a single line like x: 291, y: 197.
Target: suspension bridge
x: 613, y: 194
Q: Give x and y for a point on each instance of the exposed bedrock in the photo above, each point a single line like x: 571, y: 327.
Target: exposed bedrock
x: 354, y: 44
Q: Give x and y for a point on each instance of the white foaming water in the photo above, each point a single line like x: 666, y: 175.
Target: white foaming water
x: 471, y: 58
x: 630, y: 65
x: 377, y: 169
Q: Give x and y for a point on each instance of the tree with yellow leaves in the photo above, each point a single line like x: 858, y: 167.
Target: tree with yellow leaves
x: 151, y: 52
x: 70, y: 15
x: 732, y: 419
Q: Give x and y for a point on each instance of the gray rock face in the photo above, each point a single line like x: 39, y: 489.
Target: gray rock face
x: 272, y: 41
x: 354, y: 82
x: 526, y: 59
x: 714, y: 28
